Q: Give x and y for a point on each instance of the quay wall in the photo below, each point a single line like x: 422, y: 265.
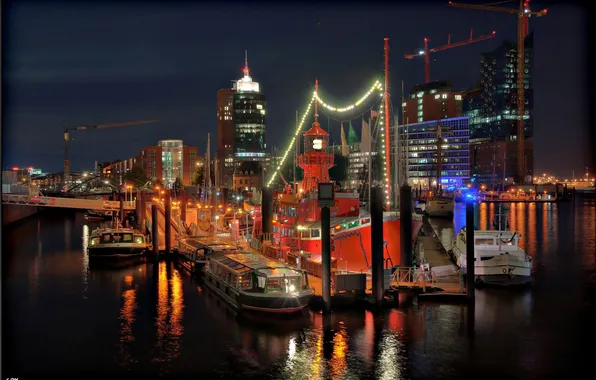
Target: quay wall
x: 14, y: 213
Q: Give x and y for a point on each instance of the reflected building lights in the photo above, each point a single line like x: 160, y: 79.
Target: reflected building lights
x: 338, y: 364
x: 127, y: 318
x: 388, y: 364
x: 170, y: 306
x: 531, y: 241
x: 85, y: 269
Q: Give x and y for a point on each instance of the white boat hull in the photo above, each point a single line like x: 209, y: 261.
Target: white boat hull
x: 439, y: 209
x: 503, y: 270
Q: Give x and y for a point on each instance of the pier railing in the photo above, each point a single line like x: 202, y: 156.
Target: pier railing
x: 414, y: 276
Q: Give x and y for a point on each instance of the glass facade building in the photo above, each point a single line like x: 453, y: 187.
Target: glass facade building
x: 171, y: 157
x: 493, y: 111
x: 420, y: 147
x: 250, y: 126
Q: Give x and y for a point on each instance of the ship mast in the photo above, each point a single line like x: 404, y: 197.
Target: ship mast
x: 387, y: 178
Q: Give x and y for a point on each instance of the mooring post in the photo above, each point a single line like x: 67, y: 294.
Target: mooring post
x: 168, y: 224
x: 183, y: 202
x: 142, y: 202
x: 266, y: 211
x: 155, y: 231
x: 405, y: 220
x: 326, y: 200
x: 470, y: 277
x: 376, y: 225
x: 326, y: 257
x: 121, y: 199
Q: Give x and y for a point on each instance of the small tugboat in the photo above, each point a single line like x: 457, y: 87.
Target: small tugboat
x: 251, y: 282
x: 498, y: 260
x: 116, y: 243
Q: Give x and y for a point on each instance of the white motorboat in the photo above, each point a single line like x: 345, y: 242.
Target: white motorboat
x: 439, y: 207
x: 498, y: 259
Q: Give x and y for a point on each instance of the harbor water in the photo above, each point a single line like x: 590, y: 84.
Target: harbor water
x: 62, y: 317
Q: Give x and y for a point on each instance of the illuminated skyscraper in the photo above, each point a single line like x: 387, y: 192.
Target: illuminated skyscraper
x: 249, y: 119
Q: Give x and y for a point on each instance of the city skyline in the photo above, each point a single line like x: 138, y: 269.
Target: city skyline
x: 171, y: 72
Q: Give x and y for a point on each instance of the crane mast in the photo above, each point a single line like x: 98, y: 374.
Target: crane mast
x: 67, y: 132
x: 523, y: 14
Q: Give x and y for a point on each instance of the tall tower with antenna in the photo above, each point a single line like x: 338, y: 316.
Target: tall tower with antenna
x: 250, y: 115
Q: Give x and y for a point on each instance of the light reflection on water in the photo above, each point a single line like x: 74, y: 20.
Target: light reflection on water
x: 148, y: 317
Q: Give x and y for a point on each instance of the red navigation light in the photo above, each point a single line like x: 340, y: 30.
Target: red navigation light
x: 494, y: 32
x: 545, y: 11
x: 30, y: 168
x: 15, y: 168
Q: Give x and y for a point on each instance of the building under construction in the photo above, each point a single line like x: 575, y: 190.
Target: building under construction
x: 492, y: 108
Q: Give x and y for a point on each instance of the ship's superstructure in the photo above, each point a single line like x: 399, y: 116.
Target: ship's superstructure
x: 296, y: 217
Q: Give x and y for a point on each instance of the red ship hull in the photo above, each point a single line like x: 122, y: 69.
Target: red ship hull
x: 352, y: 248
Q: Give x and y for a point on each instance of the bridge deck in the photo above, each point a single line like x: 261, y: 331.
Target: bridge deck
x: 73, y: 203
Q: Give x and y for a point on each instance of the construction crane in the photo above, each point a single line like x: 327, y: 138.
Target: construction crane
x: 523, y: 15
x: 426, y: 52
x: 67, y: 132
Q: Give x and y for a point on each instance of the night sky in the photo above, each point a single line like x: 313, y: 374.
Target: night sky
x: 100, y: 62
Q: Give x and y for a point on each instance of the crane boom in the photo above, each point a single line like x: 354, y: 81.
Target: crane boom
x: 67, y: 131
x: 523, y: 14
x: 490, y: 8
x: 426, y: 52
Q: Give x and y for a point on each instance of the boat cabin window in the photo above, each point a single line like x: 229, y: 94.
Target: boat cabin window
x: 126, y: 237
x: 245, y: 282
x: 306, y: 234
x: 274, y: 283
x: 106, y: 238
x: 484, y: 241
x: 315, y: 233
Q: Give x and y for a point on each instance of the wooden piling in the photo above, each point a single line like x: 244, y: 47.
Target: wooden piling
x: 155, y: 231
x: 470, y: 276
x: 326, y: 257
x: 376, y: 225
x: 405, y: 216
x: 168, y: 223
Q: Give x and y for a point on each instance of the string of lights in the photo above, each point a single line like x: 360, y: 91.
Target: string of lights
x: 377, y: 86
x: 291, y: 145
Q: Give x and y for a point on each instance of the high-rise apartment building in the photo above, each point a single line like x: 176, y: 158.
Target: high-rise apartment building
x: 225, y: 135
x: 170, y: 159
x: 432, y: 101
x: 420, y: 146
x: 250, y: 109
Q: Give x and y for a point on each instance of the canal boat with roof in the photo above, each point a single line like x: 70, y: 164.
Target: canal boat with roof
x: 116, y: 243
x: 251, y: 282
x: 197, y: 248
